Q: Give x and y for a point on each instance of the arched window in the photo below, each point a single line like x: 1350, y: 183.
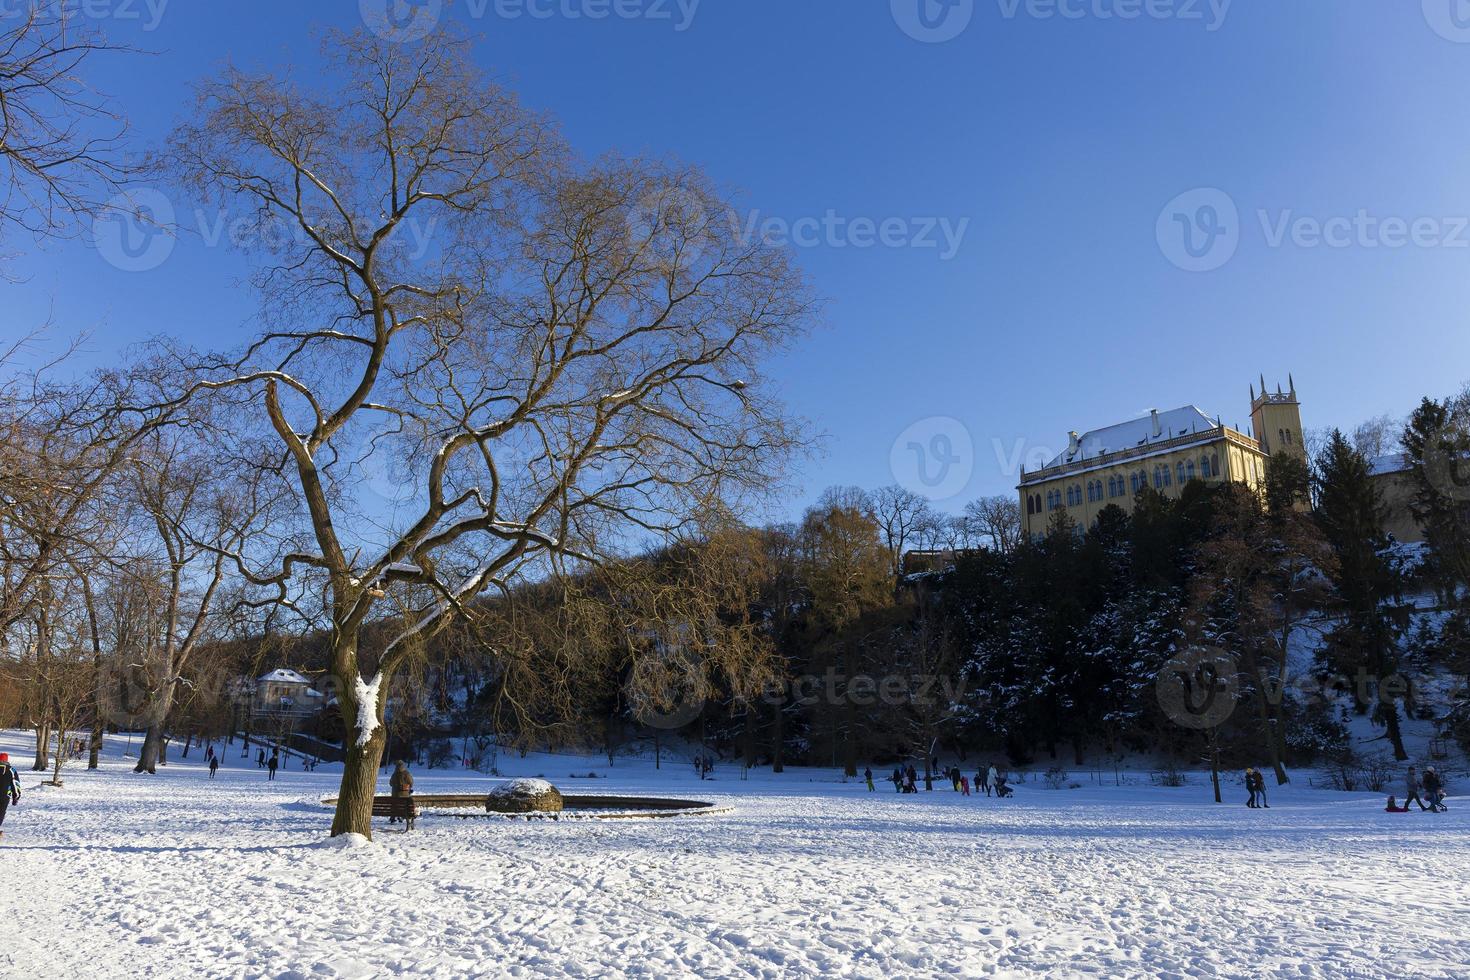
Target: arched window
x: 1281, y: 435
x: 1288, y: 437
x: 1179, y: 473
x: 1077, y: 492
x: 1189, y: 469
x: 1030, y: 504
x: 1168, y: 479
x: 1214, y: 464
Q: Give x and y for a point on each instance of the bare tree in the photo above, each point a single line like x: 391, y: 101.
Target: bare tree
x: 188, y: 520
x: 1379, y: 436
x: 995, y: 520
x: 900, y: 513
x: 574, y: 362
x: 60, y: 140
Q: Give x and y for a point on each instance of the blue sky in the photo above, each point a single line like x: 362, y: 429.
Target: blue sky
x: 1055, y: 143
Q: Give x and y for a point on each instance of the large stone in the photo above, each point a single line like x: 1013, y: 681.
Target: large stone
x: 524, y: 796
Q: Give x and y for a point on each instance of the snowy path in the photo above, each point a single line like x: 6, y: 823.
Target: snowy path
x: 173, y: 876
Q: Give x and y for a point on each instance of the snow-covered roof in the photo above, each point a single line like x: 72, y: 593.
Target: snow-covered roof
x: 1392, y: 463
x: 283, y: 675
x: 1135, y: 433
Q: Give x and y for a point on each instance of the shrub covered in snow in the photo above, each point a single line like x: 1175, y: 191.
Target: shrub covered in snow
x: 524, y: 796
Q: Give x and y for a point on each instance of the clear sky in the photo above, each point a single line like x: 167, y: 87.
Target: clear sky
x: 1036, y: 276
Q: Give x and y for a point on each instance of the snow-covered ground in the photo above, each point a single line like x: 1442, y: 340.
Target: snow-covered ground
x: 117, y: 875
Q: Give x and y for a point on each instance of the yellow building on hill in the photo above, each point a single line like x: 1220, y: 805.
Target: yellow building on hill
x: 1163, y: 450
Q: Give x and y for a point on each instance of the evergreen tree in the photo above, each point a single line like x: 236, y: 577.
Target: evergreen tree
x: 1350, y: 512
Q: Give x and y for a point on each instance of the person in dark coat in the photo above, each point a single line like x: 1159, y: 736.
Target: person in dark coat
x: 9, y: 787
x: 982, y: 779
x: 400, y: 784
x: 1411, y: 789
x: 954, y: 778
x: 272, y: 766
x: 897, y: 778
x: 213, y: 766
x: 1393, y: 807
x: 868, y: 777
x: 1434, y: 790
x: 1250, y: 784
x: 260, y: 759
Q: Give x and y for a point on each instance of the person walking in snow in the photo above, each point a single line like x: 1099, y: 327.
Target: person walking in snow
x: 992, y: 778
x: 1411, y: 789
x: 1434, y: 790
x: 897, y: 779
x: 1260, y: 790
x: 982, y: 780
x: 260, y: 759
x: 9, y: 788
x: 1250, y: 784
x: 213, y: 766
x: 911, y: 784
x: 868, y: 775
x: 965, y: 785
x: 955, y: 777
x: 272, y: 766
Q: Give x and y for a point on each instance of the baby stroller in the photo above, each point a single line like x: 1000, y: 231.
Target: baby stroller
x: 1001, y: 789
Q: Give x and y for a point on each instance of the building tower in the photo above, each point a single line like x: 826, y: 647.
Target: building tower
x: 1276, y: 419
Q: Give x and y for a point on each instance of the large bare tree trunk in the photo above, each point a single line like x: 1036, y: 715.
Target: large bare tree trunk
x: 778, y: 739
x: 43, y: 747
x: 151, y: 755
x: 359, y: 785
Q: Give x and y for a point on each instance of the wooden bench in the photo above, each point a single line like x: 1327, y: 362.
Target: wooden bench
x: 404, y: 808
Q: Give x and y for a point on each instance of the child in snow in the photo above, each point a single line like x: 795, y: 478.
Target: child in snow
x: 9, y: 787
x: 1394, y: 807
x: 965, y: 785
